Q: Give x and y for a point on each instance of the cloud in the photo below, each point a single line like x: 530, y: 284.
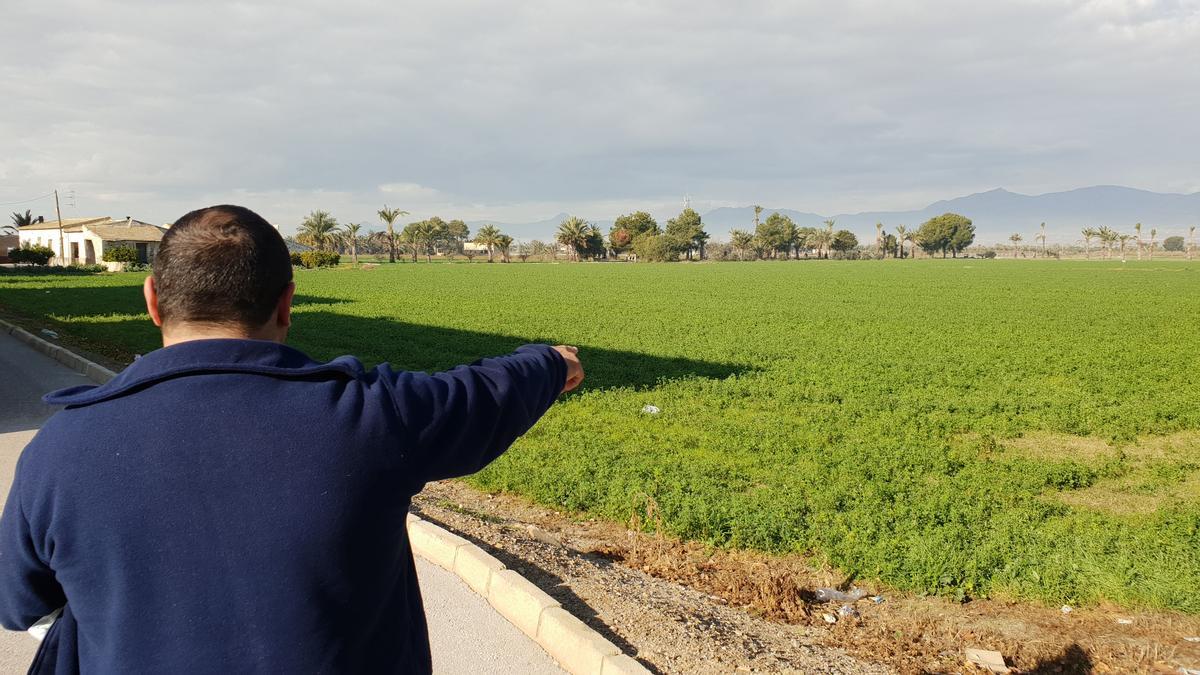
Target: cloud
x: 523, y: 109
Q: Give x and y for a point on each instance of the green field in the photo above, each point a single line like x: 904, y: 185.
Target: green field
x: 966, y: 428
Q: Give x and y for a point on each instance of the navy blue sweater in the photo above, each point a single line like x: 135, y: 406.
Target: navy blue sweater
x: 232, y: 505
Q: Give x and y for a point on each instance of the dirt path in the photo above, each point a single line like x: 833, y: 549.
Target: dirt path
x: 686, y: 608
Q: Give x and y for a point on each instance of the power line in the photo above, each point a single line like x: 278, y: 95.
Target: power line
x: 25, y: 201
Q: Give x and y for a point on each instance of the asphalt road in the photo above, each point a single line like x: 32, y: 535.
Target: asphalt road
x: 467, y: 635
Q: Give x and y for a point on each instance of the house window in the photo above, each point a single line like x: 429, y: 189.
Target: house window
x: 142, y: 253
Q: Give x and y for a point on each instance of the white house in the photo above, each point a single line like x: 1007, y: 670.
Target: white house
x: 83, y: 240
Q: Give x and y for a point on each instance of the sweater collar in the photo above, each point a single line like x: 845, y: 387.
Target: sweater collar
x: 220, y: 355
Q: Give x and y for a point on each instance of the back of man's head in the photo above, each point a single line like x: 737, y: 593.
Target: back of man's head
x: 221, y: 265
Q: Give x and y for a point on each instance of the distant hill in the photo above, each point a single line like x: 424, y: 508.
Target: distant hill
x: 996, y: 213
x: 999, y: 213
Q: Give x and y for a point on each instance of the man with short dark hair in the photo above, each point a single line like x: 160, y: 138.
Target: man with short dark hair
x: 227, y: 504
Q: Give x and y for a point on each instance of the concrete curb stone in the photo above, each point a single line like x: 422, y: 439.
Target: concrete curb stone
x: 577, y: 648
x: 573, y: 644
x: 93, y: 371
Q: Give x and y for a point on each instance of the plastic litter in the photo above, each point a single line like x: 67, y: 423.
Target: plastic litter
x: 1066, y: 609
x: 651, y: 409
x: 1189, y: 671
x: 834, y: 595
x: 49, y: 333
x: 829, y: 618
x: 877, y: 599
x: 1192, y: 639
x: 1124, y: 622
x: 847, y: 611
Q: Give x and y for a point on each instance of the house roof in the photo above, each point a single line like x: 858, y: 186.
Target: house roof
x: 106, y: 228
x: 67, y: 224
x: 118, y: 230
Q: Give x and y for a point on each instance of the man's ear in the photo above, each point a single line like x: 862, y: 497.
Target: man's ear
x: 151, y: 294
x: 283, y: 312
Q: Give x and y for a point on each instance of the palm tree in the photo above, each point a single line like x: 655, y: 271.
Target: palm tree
x: 1153, y: 236
x: 504, y: 243
x: 1191, y: 240
x: 1015, y: 239
x: 573, y: 233
x: 350, y: 236
x: 824, y: 238
x: 741, y: 241
x: 914, y: 242
x: 1124, y: 239
x: 1041, y: 236
x: 1108, y: 237
x: 488, y: 236
x: 318, y: 230
x: 22, y: 219
x: 757, y: 211
x: 901, y: 234
x: 389, y: 216
x: 1137, y: 227
x: 879, y: 238
x: 1088, y: 233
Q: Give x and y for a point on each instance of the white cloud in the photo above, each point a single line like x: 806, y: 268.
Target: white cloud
x: 521, y: 110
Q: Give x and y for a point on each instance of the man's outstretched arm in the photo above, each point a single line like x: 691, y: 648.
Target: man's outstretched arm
x: 459, y: 420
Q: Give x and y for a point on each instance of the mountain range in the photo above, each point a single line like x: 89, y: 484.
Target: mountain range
x: 997, y: 214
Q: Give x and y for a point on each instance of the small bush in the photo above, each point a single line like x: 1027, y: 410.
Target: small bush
x: 31, y: 255
x: 311, y: 259
x: 119, y: 254
x: 989, y: 254
x: 297, y: 261
x: 84, y: 269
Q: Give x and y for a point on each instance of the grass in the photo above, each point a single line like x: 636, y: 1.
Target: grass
x: 963, y: 428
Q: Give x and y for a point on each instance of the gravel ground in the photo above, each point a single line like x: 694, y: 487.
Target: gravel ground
x: 668, y: 627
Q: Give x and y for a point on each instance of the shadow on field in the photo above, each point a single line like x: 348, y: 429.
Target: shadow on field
x: 410, y: 346
x: 325, y: 333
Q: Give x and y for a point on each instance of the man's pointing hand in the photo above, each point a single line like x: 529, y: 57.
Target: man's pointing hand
x: 574, y: 367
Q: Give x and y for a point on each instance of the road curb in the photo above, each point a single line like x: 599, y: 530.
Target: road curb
x: 91, y: 370
x: 576, y: 647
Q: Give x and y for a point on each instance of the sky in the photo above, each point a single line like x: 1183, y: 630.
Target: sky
x: 516, y: 111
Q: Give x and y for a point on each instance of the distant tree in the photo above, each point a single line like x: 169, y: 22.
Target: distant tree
x: 456, y: 234
x: 1174, y: 244
x: 757, y: 212
x: 742, y: 241
x: 658, y: 248
x: 504, y: 245
x: 389, y: 216
x: 1041, y: 238
x: 1153, y: 238
x: 1108, y: 237
x: 1124, y: 241
x: 637, y: 223
x: 948, y: 232
x: 489, y: 236
x: 843, y: 241
x: 1089, y: 233
x: 22, y: 219
x: 319, y: 230
x: 901, y: 237
x: 890, y: 244
x: 1137, y: 227
x: 573, y: 234
x: 879, y: 239
x: 620, y: 240
x: 1015, y: 238
x: 540, y: 248
x: 776, y: 234
x: 686, y: 229
x: 350, y: 235
x: 523, y: 251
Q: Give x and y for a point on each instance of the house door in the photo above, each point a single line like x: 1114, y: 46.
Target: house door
x: 143, y: 256
x: 74, y: 251
x: 89, y: 252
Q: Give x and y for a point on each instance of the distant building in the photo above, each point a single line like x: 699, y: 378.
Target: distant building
x: 83, y: 240
x: 472, y: 247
